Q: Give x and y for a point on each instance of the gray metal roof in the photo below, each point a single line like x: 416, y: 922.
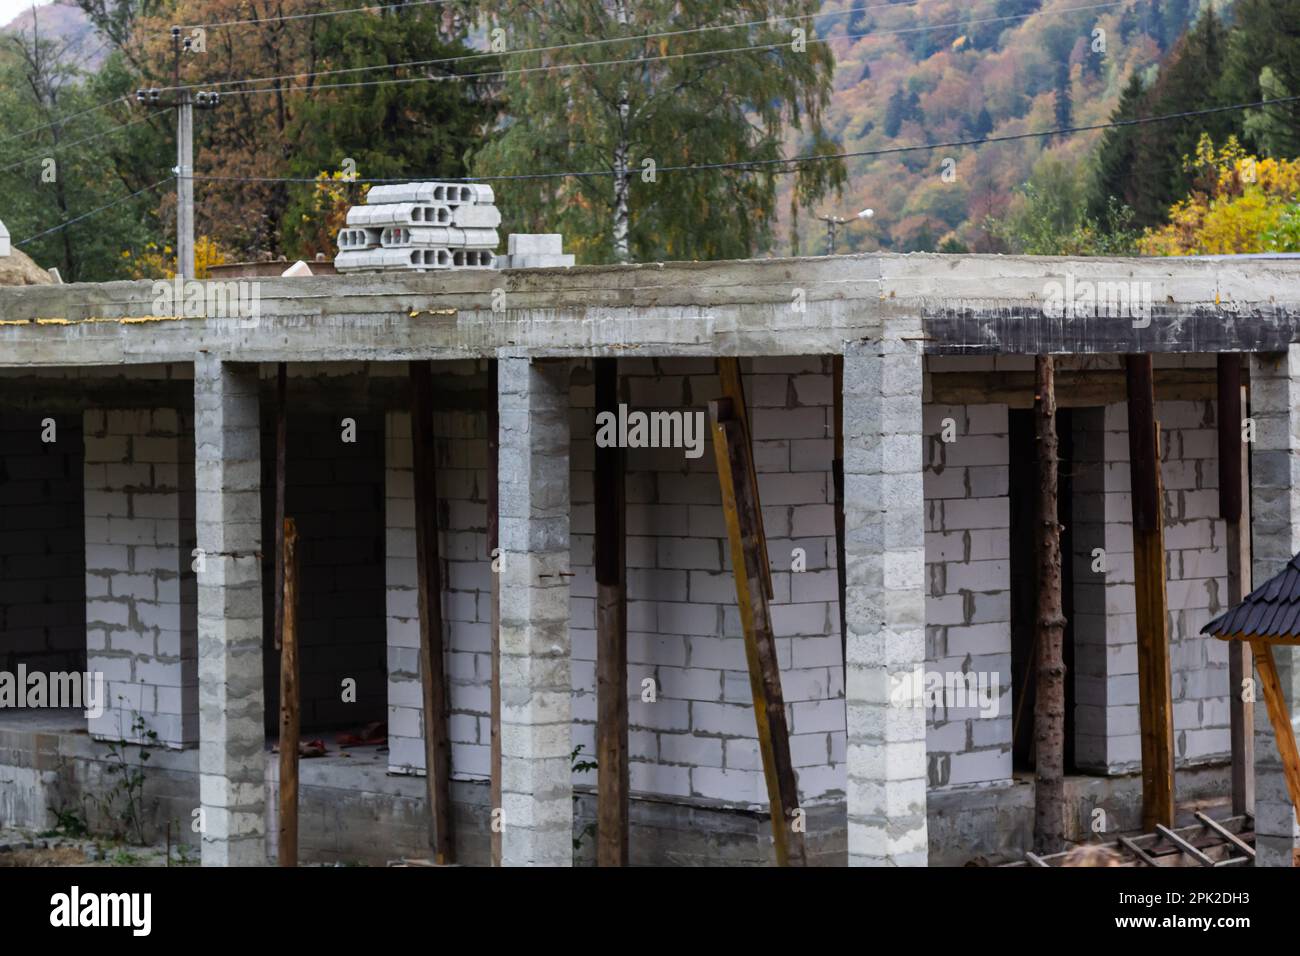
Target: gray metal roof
x: 1271, y: 610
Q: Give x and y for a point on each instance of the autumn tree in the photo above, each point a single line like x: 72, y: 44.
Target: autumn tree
x: 640, y: 88
x: 1239, y: 204
x: 420, y: 130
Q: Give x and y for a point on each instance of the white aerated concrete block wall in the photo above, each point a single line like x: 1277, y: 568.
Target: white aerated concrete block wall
x: 698, y: 738
x: 466, y: 601
x: 968, y: 588
x: 141, y: 624
x: 1196, y: 567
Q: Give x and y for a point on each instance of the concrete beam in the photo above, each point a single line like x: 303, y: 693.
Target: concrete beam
x: 885, y: 602
x: 968, y: 305
x: 536, y: 682
x: 232, y: 736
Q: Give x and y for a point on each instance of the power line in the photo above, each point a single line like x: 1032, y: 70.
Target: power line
x: 791, y: 161
x: 64, y: 119
x: 126, y: 100
x: 770, y: 21
x: 755, y: 163
x: 87, y: 215
x: 62, y: 146
x: 497, y: 74
x: 310, y: 16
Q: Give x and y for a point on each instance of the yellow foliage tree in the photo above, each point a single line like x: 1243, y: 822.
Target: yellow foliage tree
x: 332, y: 196
x: 153, y: 262
x: 1239, y: 204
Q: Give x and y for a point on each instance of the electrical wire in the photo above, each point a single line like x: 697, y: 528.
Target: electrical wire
x: 791, y: 161
x: 87, y: 215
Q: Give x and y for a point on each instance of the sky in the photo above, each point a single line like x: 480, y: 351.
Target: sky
x: 11, y: 8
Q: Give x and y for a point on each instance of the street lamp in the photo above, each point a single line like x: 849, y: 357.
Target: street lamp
x: 832, y: 222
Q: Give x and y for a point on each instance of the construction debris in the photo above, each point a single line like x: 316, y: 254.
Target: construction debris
x: 416, y: 227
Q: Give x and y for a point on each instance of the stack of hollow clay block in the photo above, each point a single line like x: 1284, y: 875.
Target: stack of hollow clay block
x: 415, y: 227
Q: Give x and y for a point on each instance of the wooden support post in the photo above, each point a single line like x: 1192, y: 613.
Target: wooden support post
x: 733, y: 387
x: 281, y: 440
x: 437, y: 748
x: 1280, y: 717
x: 611, y: 635
x: 290, y: 687
x: 837, y: 476
x: 1154, y: 696
x: 1049, y: 700
x: 749, y: 558
x: 1233, y: 479
x: 493, y: 545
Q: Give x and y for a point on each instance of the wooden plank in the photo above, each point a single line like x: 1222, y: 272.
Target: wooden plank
x: 281, y: 457
x: 1137, y: 851
x: 837, y: 476
x: 1155, y: 706
x: 1233, y: 482
x: 733, y: 387
x: 1183, y: 845
x: 1227, y: 834
x: 611, y: 635
x: 493, y: 544
x: 437, y: 747
x: 290, y: 705
x: 748, y: 558
x: 1275, y: 701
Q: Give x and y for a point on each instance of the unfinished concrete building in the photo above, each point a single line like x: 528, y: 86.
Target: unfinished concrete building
x: 139, y: 545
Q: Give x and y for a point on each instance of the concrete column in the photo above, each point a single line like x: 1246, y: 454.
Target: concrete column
x: 885, y: 602
x: 1275, y: 524
x: 232, y: 739
x: 536, y: 687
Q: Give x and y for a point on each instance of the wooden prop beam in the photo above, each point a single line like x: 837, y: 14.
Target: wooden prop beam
x: 493, y: 544
x: 290, y: 707
x: 1279, y: 717
x: 611, y: 635
x: 733, y: 387
x: 749, y: 559
x: 837, y: 476
x: 437, y: 747
x: 1049, y: 633
x: 281, y: 456
x: 1232, y: 482
x: 1155, y: 705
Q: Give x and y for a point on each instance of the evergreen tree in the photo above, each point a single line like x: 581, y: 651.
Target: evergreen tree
x: 895, y: 113
x: 631, y: 119
x: 982, y: 124
x: 1142, y: 166
x: 1117, y: 154
x: 1064, y: 108
x: 1264, y: 63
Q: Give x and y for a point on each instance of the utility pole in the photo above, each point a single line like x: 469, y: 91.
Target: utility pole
x: 834, y: 222
x: 184, y: 103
